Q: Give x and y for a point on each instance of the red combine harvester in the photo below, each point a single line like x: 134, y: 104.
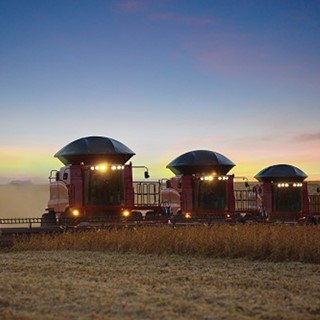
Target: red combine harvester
x: 205, y: 187
x: 281, y: 195
x: 96, y: 185
x: 284, y: 193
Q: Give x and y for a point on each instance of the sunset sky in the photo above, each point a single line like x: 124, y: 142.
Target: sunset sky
x: 240, y: 77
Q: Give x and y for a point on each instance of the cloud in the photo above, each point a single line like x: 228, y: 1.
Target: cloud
x: 131, y: 6
x: 246, y: 55
x: 152, y: 6
x: 307, y: 137
x: 233, y: 54
x: 280, y: 140
x: 189, y: 20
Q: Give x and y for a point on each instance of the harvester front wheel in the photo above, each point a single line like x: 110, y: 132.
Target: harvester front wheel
x: 48, y: 219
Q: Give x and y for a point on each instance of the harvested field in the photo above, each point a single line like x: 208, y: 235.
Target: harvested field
x: 102, y: 285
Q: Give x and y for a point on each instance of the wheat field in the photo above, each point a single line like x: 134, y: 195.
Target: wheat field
x: 254, y: 242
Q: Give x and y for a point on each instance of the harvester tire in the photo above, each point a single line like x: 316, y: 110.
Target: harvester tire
x: 48, y: 220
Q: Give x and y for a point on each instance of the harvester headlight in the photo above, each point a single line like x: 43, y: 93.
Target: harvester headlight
x: 207, y: 178
x: 188, y: 215
x: 103, y: 167
x: 283, y: 185
x: 117, y: 167
x: 75, y: 212
x: 297, y: 184
x: 126, y: 213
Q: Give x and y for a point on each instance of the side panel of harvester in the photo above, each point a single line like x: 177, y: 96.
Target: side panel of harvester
x: 186, y: 194
x: 170, y: 197
x: 314, y: 197
x: 76, y: 187
x: 59, y: 191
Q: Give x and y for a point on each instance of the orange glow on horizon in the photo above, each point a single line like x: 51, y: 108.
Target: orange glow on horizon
x: 36, y: 163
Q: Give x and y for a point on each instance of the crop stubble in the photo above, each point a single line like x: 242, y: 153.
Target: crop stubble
x: 98, y: 285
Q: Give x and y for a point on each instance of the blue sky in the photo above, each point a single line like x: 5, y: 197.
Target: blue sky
x: 162, y: 76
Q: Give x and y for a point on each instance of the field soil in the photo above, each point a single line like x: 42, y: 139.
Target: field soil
x: 101, y: 285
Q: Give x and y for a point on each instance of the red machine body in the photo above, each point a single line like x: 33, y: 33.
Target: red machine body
x: 211, y: 196
x: 101, y: 191
x: 285, y: 201
x: 93, y: 184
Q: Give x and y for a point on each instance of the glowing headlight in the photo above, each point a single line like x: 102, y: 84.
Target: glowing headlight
x: 126, y: 213
x: 282, y: 185
x: 103, y: 168
x: 188, y: 215
x: 75, y: 212
x: 207, y: 178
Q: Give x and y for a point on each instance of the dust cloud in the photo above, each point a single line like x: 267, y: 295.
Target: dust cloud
x: 23, y: 201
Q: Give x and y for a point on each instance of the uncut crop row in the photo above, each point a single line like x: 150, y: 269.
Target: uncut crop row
x: 256, y: 242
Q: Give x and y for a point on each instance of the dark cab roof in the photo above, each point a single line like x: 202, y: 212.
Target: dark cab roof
x: 94, y: 149
x: 281, y: 173
x: 200, y: 162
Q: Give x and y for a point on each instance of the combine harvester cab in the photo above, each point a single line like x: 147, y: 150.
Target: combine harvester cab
x: 205, y: 187
x: 284, y: 193
x: 94, y: 183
